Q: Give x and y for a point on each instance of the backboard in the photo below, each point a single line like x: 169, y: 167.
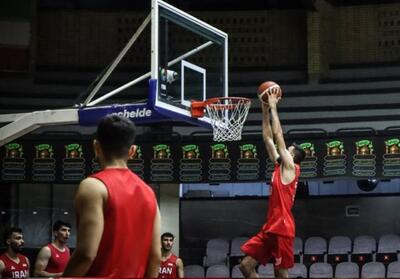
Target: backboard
x: 189, y: 62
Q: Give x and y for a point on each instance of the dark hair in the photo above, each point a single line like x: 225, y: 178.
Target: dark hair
x: 299, y: 153
x: 167, y: 234
x: 58, y: 224
x: 9, y: 232
x: 116, y: 135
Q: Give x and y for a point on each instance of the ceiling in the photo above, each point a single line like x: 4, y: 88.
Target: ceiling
x: 191, y: 5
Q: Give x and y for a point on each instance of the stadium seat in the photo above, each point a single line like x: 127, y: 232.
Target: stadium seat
x: 315, y: 249
x: 388, y: 248
x: 339, y: 249
x: 216, y: 252
x: 235, y: 246
x: 364, y: 247
x: 193, y: 271
x: 299, y: 270
x: 321, y: 270
x: 266, y: 271
x: 236, y: 273
x: 347, y: 270
x: 373, y: 270
x: 393, y: 270
x: 217, y: 271
x: 214, y: 258
x: 298, y: 250
x: 236, y: 254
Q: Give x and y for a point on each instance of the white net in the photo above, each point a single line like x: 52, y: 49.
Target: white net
x: 227, y: 117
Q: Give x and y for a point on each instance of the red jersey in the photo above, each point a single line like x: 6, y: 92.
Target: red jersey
x: 168, y: 268
x: 128, y: 225
x: 13, y: 269
x: 58, y: 260
x: 280, y: 218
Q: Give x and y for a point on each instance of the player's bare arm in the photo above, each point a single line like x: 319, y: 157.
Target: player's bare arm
x: 287, y: 162
x: 179, y: 268
x: 2, y: 267
x: 41, y: 263
x: 89, y: 202
x: 29, y: 267
x: 153, y: 263
x: 267, y: 134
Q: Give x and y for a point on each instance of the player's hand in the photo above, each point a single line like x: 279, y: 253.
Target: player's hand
x: 273, y: 96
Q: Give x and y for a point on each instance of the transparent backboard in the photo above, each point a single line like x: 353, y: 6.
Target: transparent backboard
x: 189, y: 61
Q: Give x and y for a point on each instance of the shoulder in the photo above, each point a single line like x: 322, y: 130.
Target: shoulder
x: 2, y: 264
x: 26, y: 259
x: 45, y: 250
x: 90, y: 186
x: 147, y: 191
x: 91, y: 182
x: 179, y: 261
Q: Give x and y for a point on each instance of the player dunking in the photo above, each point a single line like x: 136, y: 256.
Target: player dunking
x: 276, y: 238
x: 118, y: 217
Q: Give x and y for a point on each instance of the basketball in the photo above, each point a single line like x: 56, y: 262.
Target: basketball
x: 264, y: 86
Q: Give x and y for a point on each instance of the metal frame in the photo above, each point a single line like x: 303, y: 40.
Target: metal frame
x: 196, y: 68
x: 165, y: 108
x: 23, y: 123
x: 31, y: 121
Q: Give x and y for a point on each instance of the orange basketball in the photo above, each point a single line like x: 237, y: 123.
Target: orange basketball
x: 264, y: 86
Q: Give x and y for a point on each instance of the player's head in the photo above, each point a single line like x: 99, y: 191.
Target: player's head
x: 297, y: 153
x: 167, y: 241
x: 13, y: 239
x: 61, y: 231
x: 115, y: 138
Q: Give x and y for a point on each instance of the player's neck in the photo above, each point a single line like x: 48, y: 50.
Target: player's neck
x: 165, y: 254
x: 12, y: 254
x: 121, y: 163
x: 59, y: 245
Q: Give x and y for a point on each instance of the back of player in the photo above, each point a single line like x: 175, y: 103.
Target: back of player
x: 13, y: 269
x: 128, y: 224
x: 168, y: 268
x: 280, y: 219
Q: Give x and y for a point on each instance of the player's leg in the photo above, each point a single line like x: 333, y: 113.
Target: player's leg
x: 284, y: 258
x: 257, y: 252
x: 281, y: 273
x: 248, y: 267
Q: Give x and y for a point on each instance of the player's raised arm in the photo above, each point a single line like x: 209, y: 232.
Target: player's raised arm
x: 267, y: 134
x: 285, y: 156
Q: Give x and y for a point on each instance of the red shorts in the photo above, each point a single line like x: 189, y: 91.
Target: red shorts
x: 265, y: 246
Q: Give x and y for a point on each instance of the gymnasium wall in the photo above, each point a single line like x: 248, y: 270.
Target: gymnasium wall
x: 169, y: 211
x: 92, y: 39
x: 366, y: 34
x: 269, y: 38
x: 15, y: 39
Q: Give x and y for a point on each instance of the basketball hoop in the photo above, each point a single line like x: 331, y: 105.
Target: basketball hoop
x: 227, y: 115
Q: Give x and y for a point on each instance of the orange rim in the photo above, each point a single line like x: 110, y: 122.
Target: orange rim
x: 197, y: 107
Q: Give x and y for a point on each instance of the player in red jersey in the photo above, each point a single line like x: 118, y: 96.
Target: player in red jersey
x: 12, y: 263
x: 117, y: 213
x: 171, y: 266
x: 53, y: 258
x: 276, y: 238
